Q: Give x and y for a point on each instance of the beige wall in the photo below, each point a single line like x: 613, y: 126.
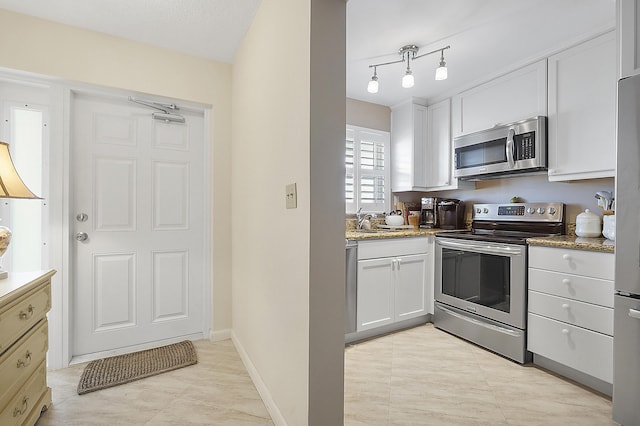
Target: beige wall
x: 286, y: 277
x: 73, y: 54
x: 366, y: 114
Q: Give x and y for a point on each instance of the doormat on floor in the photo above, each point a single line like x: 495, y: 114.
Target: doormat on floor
x: 117, y: 370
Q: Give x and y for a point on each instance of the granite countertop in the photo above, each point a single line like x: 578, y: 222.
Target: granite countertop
x: 574, y: 242
x: 352, y: 234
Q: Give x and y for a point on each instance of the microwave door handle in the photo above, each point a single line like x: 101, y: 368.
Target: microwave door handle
x: 509, y: 147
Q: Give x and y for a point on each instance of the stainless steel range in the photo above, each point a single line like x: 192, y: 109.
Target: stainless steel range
x: 481, y: 274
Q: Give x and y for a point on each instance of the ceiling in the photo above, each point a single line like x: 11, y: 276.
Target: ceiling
x: 487, y: 37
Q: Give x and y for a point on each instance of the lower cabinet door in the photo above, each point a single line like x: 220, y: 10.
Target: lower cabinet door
x: 410, y: 286
x: 575, y: 347
x: 375, y: 293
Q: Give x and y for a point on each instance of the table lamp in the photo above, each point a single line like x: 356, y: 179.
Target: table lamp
x: 11, y: 186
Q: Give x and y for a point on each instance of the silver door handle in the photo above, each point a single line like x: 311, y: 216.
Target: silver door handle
x: 634, y: 313
x: 82, y: 236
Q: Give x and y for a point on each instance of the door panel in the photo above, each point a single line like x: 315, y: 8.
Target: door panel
x: 139, y: 275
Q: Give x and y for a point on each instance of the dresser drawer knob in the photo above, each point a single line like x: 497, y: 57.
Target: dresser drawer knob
x: 565, y: 306
x: 27, y: 361
x: 566, y: 281
x: 23, y: 409
x: 566, y: 257
x: 26, y: 315
x: 565, y: 331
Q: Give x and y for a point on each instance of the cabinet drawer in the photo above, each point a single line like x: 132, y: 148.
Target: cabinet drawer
x: 575, y: 347
x: 580, y: 262
x: 21, y: 360
x: 576, y: 287
x: 392, y: 247
x: 26, y: 399
x: 20, y: 316
x: 592, y: 317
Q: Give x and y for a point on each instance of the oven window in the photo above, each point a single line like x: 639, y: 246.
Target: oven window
x: 483, y: 279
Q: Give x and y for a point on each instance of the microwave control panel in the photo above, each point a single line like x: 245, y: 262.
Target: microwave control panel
x: 525, y: 145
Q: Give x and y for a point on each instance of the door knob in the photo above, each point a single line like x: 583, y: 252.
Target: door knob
x: 82, y: 236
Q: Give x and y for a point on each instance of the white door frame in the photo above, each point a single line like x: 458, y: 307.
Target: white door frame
x: 60, y: 321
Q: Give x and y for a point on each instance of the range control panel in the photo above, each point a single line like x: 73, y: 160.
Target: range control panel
x: 524, y: 212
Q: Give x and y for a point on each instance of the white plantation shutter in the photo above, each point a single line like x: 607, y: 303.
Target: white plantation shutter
x: 367, y: 170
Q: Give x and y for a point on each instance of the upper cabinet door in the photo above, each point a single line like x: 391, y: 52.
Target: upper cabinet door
x: 515, y: 96
x: 408, y: 146
x: 439, y: 162
x: 629, y: 37
x: 582, y: 110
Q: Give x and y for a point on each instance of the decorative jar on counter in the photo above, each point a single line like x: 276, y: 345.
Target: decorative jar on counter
x: 588, y: 224
x: 609, y: 226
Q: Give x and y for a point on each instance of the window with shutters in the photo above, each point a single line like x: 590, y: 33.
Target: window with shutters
x: 367, y: 184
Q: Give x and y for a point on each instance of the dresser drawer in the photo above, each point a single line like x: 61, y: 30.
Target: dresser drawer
x: 18, y: 317
x: 21, y: 406
x: 593, y: 317
x: 577, y: 287
x: 19, y: 362
x: 575, y: 347
x: 579, y: 262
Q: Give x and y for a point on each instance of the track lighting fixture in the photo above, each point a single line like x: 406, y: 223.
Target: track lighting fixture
x: 409, y: 53
x: 373, y: 83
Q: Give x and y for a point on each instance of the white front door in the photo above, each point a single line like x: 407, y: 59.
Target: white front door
x: 137, y: 189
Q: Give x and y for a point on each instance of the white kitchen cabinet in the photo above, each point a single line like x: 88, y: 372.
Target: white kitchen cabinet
x: 439, y: 161
x: 629, y: 37
x: 570, y: 309
x: 515, y: 96
x: 395, y: 281
x: 582, y: 110
x: 421, y: 147
x: 408, y: 145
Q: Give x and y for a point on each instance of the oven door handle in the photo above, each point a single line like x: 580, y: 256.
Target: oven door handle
x: 491, y: 249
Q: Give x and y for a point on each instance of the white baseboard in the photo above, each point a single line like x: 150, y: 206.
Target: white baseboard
x: 272, y: 408
x: 216, y: 336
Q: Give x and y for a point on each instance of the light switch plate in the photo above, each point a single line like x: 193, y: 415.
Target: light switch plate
x: 291, y: 196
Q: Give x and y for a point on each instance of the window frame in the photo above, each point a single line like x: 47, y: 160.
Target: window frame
x: 360, y: 135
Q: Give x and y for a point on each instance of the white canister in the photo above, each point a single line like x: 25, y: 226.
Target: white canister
x: 609, y: 226
x: 588, y: 224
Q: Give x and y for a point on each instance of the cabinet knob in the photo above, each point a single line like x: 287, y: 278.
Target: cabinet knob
x: 565, y: 306
x: 566, y: 281
x: 566, y: 257
x: 565, y: 331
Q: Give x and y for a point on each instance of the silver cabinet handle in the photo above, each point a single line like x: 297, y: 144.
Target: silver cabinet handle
x: 634, y: 313
x: 82, y: 236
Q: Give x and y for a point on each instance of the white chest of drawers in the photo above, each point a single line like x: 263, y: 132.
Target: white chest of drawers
x: 570, y: 309
x: 25, y: 299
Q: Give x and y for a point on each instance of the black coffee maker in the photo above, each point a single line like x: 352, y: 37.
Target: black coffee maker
x: 450, y: 213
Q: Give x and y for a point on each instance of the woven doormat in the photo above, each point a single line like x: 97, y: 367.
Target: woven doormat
x: 117, y: 370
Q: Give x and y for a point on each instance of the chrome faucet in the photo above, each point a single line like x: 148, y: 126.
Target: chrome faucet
x: 360, y: 218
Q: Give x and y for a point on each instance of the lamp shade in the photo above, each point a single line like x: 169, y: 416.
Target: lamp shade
x: 11, y: 185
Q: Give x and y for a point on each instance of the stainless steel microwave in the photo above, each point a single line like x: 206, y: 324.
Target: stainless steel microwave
x: 504, y: 150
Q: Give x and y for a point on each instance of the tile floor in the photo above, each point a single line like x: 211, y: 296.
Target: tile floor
x: 424, y: 376
x: 215, y: 391
x: 420, y: 376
